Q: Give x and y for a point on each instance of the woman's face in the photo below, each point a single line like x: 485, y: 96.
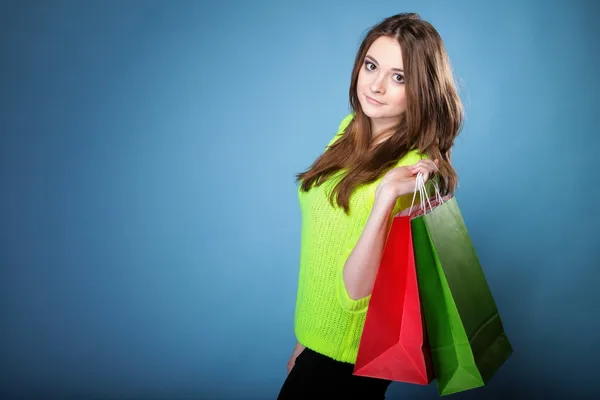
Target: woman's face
x: 380, y: 87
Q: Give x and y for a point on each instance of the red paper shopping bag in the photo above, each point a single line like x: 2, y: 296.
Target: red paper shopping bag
x: 394, y: 345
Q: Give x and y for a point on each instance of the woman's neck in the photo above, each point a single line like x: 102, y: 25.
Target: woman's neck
x: 380, y: 130
x: 380, y: 125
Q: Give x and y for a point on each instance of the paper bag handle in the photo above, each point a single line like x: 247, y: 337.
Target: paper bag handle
x: 420, y: 187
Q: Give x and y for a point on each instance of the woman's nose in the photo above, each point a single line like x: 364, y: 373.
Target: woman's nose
x: 377, y: 85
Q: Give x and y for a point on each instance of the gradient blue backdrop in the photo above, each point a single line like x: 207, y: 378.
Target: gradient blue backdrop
x: 149, y: 225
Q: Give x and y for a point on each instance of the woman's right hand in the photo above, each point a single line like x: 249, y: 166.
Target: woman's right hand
x: 400, y: 181
x: 297, y: 350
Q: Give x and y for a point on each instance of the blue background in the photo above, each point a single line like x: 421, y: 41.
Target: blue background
x: 149, y: 225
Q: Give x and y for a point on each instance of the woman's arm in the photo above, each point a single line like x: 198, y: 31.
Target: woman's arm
x: 362, y: 265
x: 360, y: 269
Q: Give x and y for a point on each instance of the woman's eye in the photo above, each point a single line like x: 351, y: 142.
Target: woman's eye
x: 399, y: 78
x: 369, y: 65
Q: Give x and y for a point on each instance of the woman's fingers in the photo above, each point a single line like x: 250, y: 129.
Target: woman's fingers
x: 425, y: 165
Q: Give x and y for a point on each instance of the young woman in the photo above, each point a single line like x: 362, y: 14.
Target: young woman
x: 406, y: 113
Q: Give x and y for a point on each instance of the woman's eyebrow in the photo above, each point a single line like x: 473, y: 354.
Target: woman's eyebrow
x: 375, y: 61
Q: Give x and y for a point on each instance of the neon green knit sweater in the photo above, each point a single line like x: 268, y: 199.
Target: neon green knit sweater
x: 327, y: 320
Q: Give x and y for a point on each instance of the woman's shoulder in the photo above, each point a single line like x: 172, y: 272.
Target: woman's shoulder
x: 341, y: 128
x: 345, y: 122
x: 411, y: 157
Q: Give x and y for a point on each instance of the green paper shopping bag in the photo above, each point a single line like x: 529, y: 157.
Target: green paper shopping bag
x: 467, y: 340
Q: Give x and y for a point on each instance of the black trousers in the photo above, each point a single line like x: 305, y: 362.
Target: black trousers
x: 316, y: 376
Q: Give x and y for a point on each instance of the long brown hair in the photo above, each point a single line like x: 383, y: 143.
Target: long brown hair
x: 433, y: 117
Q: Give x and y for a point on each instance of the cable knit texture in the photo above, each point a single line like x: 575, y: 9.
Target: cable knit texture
x: 327, y: 319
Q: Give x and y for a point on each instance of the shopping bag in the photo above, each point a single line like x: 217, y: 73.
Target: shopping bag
x: 467, y: 339
x: 393, y: 344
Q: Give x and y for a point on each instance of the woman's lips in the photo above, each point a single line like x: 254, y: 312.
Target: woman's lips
x: 373, y: 101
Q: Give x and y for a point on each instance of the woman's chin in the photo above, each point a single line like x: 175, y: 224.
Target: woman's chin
x: 373, y: 114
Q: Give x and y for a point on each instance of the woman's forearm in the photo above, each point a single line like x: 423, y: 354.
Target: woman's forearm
x: 360, y: 269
